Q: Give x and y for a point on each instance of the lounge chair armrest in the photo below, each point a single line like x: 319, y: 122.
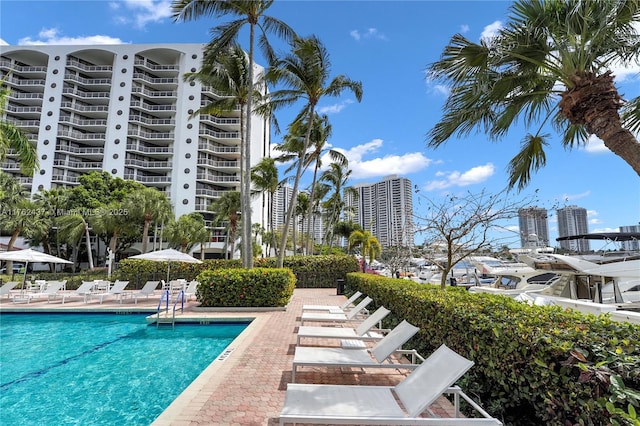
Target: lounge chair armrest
x: 414, y: 355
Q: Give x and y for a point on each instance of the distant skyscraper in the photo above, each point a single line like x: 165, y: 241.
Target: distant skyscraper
x: 532, y: 221
x: 632, y: 245
x: 282, y: 198
x: 572, y: 220
x: 386, y: 210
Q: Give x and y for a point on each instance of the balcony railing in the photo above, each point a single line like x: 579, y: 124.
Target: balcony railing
x: 149, y: 149
x: 82, y: 136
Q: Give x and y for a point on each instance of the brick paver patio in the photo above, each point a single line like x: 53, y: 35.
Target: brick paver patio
x: 246, y: 385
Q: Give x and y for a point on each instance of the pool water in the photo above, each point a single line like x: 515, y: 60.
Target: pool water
x: 99, y: 369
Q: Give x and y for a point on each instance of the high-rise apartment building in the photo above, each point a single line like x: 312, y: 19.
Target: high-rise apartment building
x: 534, y: 227
x: 282, y: 198
x: 386, y: 210
x: 631, y: 245
x: 126, y: 109
x: 572, y: 220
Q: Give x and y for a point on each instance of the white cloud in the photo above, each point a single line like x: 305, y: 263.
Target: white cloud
x: 464, y: 29
x: 335, y: 108
x: 3, y: 43
x: 472, y: 176
x: 52, y: 36
x: 363, y: 168
x: 573, y: 197
x: 141, y: 12
x: 595, y: 145
x: 491, y: 30
x: 370, y: 33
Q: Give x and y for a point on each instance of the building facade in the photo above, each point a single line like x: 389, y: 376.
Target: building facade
x: 533, y: 224
x: 126, y: 109
x: 386, y: 210
x: 572, y: 220
x: 631, y: 245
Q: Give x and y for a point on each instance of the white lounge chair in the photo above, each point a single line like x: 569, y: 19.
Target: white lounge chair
x: 336, y: 317
x: 377, y: 405
x: 190, y: 291
x: 51, y: 291
x: 6, y: 288
x: 334, y: 308
x: 147, y: 290
x: 85, y: 291
x: 361, y: 358
x: 116, y: 290
x: 364, y: 331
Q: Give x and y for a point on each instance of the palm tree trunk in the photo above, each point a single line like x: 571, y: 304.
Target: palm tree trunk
x: 294, y: 193
x: 310, y: 218
x: 245, y: 199
x: 88, y: 243
x: 145, y: 233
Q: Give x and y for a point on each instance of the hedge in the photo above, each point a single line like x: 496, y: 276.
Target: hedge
x: 533, y: 364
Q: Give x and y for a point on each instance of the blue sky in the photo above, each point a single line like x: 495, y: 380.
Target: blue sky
x: 386, y: 45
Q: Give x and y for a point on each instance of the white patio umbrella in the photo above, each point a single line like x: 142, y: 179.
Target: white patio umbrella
x: 167, y: 255
x: 30, y: 256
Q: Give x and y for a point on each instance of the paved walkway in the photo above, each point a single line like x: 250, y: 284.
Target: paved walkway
x: 246, y: 384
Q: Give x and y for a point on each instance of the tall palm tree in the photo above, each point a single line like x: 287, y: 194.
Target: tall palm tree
x: 149, y: 205
x: 302, y: 207
x: 264, y: 177
x: 551, y: 63
x: 227, y: 209
x: 13, y: 138
x: 73, y: 228
x: 252, y: 13
x: 13, y: 201
x: 113, y: 225
x: 369, y: 246
x: 336, y: 177
x: 304, y: 73
x: 188, y: 230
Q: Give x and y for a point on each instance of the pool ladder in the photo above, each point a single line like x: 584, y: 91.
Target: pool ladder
x: 162, y: 316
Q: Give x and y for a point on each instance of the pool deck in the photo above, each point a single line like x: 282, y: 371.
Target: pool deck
x: 246, y: 384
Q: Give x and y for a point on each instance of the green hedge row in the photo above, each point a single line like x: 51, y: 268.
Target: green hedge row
x: 310, y: 271
x: 533, y: 364
x: 257, y: 287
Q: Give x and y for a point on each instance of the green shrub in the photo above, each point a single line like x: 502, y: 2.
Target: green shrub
x: 257, y: 287
x: 533, y: 364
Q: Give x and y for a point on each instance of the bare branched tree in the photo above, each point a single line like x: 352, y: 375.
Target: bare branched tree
x: 467, y: 224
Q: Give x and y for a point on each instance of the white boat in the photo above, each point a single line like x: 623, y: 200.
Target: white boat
x: 510, y: 278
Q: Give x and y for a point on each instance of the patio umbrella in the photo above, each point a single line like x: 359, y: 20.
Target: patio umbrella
x: 30, y: 256
x: 167, y: 255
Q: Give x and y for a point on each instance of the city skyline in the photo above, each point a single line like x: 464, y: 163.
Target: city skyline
x: 385, y: 133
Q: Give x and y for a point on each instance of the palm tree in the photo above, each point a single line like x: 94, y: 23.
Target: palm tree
x: 369, y: 246
x: 304, y: 72
x: 188, y: 230
x: 113, y: 225
x: 148, y: 204
x: 302, y: 207
x: 336, y: 177
x: 250, y: 13
x: 551, y: 63
x: 227, y: 209
x: 13, y: 138
x: 73, y: 227
x: 264, y: 177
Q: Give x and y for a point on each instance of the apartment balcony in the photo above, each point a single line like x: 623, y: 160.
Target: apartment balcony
x: 91, y: 125
x: 25, y: 111
x: 88, y: 138
x: 167, y: 123
x: 34, y: 71
x: 10, y: 166
x: 91, y: 97
x: 149, y: 180
x: 79, y: 165
x: 25, y: 125
x: 103, y: 83
x: 148, y: 165
x: 24, y: 180
x: 229, y: 138
x: 93, y: 153
x: 152, y: 136
x: 158, y: 69
x: 156, y: 94
x: 93, y: 111
x: 94, y: 70
x: 160, y: 83
x: 229, y: 166
x: 26, y: 85
x: 26, y: 98
x: 63, y: 179
x: 227, y: 181
x: 226, y: 122
x: 156, y: 110
x: 213, y: 193
x: 162, y: 151
x: 231, y: 152
x: 234, y: 112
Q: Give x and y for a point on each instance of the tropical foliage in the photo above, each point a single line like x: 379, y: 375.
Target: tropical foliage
x: 12, y: 139
x: 550, y: 65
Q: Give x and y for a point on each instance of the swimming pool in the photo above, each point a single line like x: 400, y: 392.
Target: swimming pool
x: 79, y: 369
